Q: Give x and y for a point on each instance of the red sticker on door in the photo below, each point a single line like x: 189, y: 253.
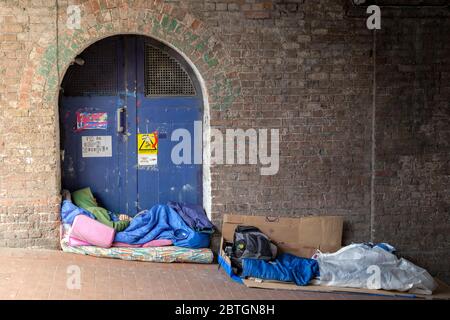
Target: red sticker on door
x: 89, y: 121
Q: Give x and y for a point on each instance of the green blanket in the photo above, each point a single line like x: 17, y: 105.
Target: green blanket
x: 85, y: 199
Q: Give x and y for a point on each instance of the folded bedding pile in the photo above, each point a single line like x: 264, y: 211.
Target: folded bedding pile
x: 160, y: 234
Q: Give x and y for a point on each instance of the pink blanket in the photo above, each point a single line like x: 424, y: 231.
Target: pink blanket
x: 88, y: 230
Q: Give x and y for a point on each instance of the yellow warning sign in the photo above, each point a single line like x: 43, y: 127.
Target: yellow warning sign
x: 148, y: 143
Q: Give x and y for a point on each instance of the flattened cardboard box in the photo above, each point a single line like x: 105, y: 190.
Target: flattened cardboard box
x: 302, y: 237
x: 299, y: 236
x: 441, y: 293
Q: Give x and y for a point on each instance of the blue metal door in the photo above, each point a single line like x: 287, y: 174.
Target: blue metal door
x: 135, y: 85
x: 168, y: 98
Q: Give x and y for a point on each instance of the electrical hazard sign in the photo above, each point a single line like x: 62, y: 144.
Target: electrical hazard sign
x: 147, y: 144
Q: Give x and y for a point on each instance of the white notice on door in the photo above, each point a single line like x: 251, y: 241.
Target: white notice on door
x: 147, y: 159
x: 96, y: 146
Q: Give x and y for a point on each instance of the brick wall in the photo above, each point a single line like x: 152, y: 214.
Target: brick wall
x: 28, y: 164
x: 413, y: 139
x: 304, y: 67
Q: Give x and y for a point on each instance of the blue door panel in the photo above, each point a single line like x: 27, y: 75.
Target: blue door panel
x: 102, y: 174
x: 169, y: 181
x: 129, y: 134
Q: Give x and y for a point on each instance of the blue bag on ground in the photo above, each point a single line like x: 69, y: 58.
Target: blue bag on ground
x: 286, y: 267
x: 162, y: 222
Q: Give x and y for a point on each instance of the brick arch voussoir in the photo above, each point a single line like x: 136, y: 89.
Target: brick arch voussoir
x: 155, y: 19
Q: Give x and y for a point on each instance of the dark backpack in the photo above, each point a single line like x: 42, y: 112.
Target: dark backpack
x: 250, y: 243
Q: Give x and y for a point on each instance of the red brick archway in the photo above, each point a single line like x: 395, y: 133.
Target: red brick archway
x: 52, y: 55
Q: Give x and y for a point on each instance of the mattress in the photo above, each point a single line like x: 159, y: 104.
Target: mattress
x: 149, y: 254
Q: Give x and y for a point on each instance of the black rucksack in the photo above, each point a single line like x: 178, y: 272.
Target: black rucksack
x: 250, y: 243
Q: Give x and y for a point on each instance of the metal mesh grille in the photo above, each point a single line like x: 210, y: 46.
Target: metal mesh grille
x: 99, y: 74
x: 164, y: 75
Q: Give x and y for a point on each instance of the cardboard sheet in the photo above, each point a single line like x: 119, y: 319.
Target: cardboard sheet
x: 299, y: 236
x: 441, y: 293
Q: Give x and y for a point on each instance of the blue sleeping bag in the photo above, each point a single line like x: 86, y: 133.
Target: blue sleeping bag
x: 69, y: 211
x: 286, y: 267
x: 162, y: 222
x: 193, y: 215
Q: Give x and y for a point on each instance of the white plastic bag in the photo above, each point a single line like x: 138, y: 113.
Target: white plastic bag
x: 361, y: 266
